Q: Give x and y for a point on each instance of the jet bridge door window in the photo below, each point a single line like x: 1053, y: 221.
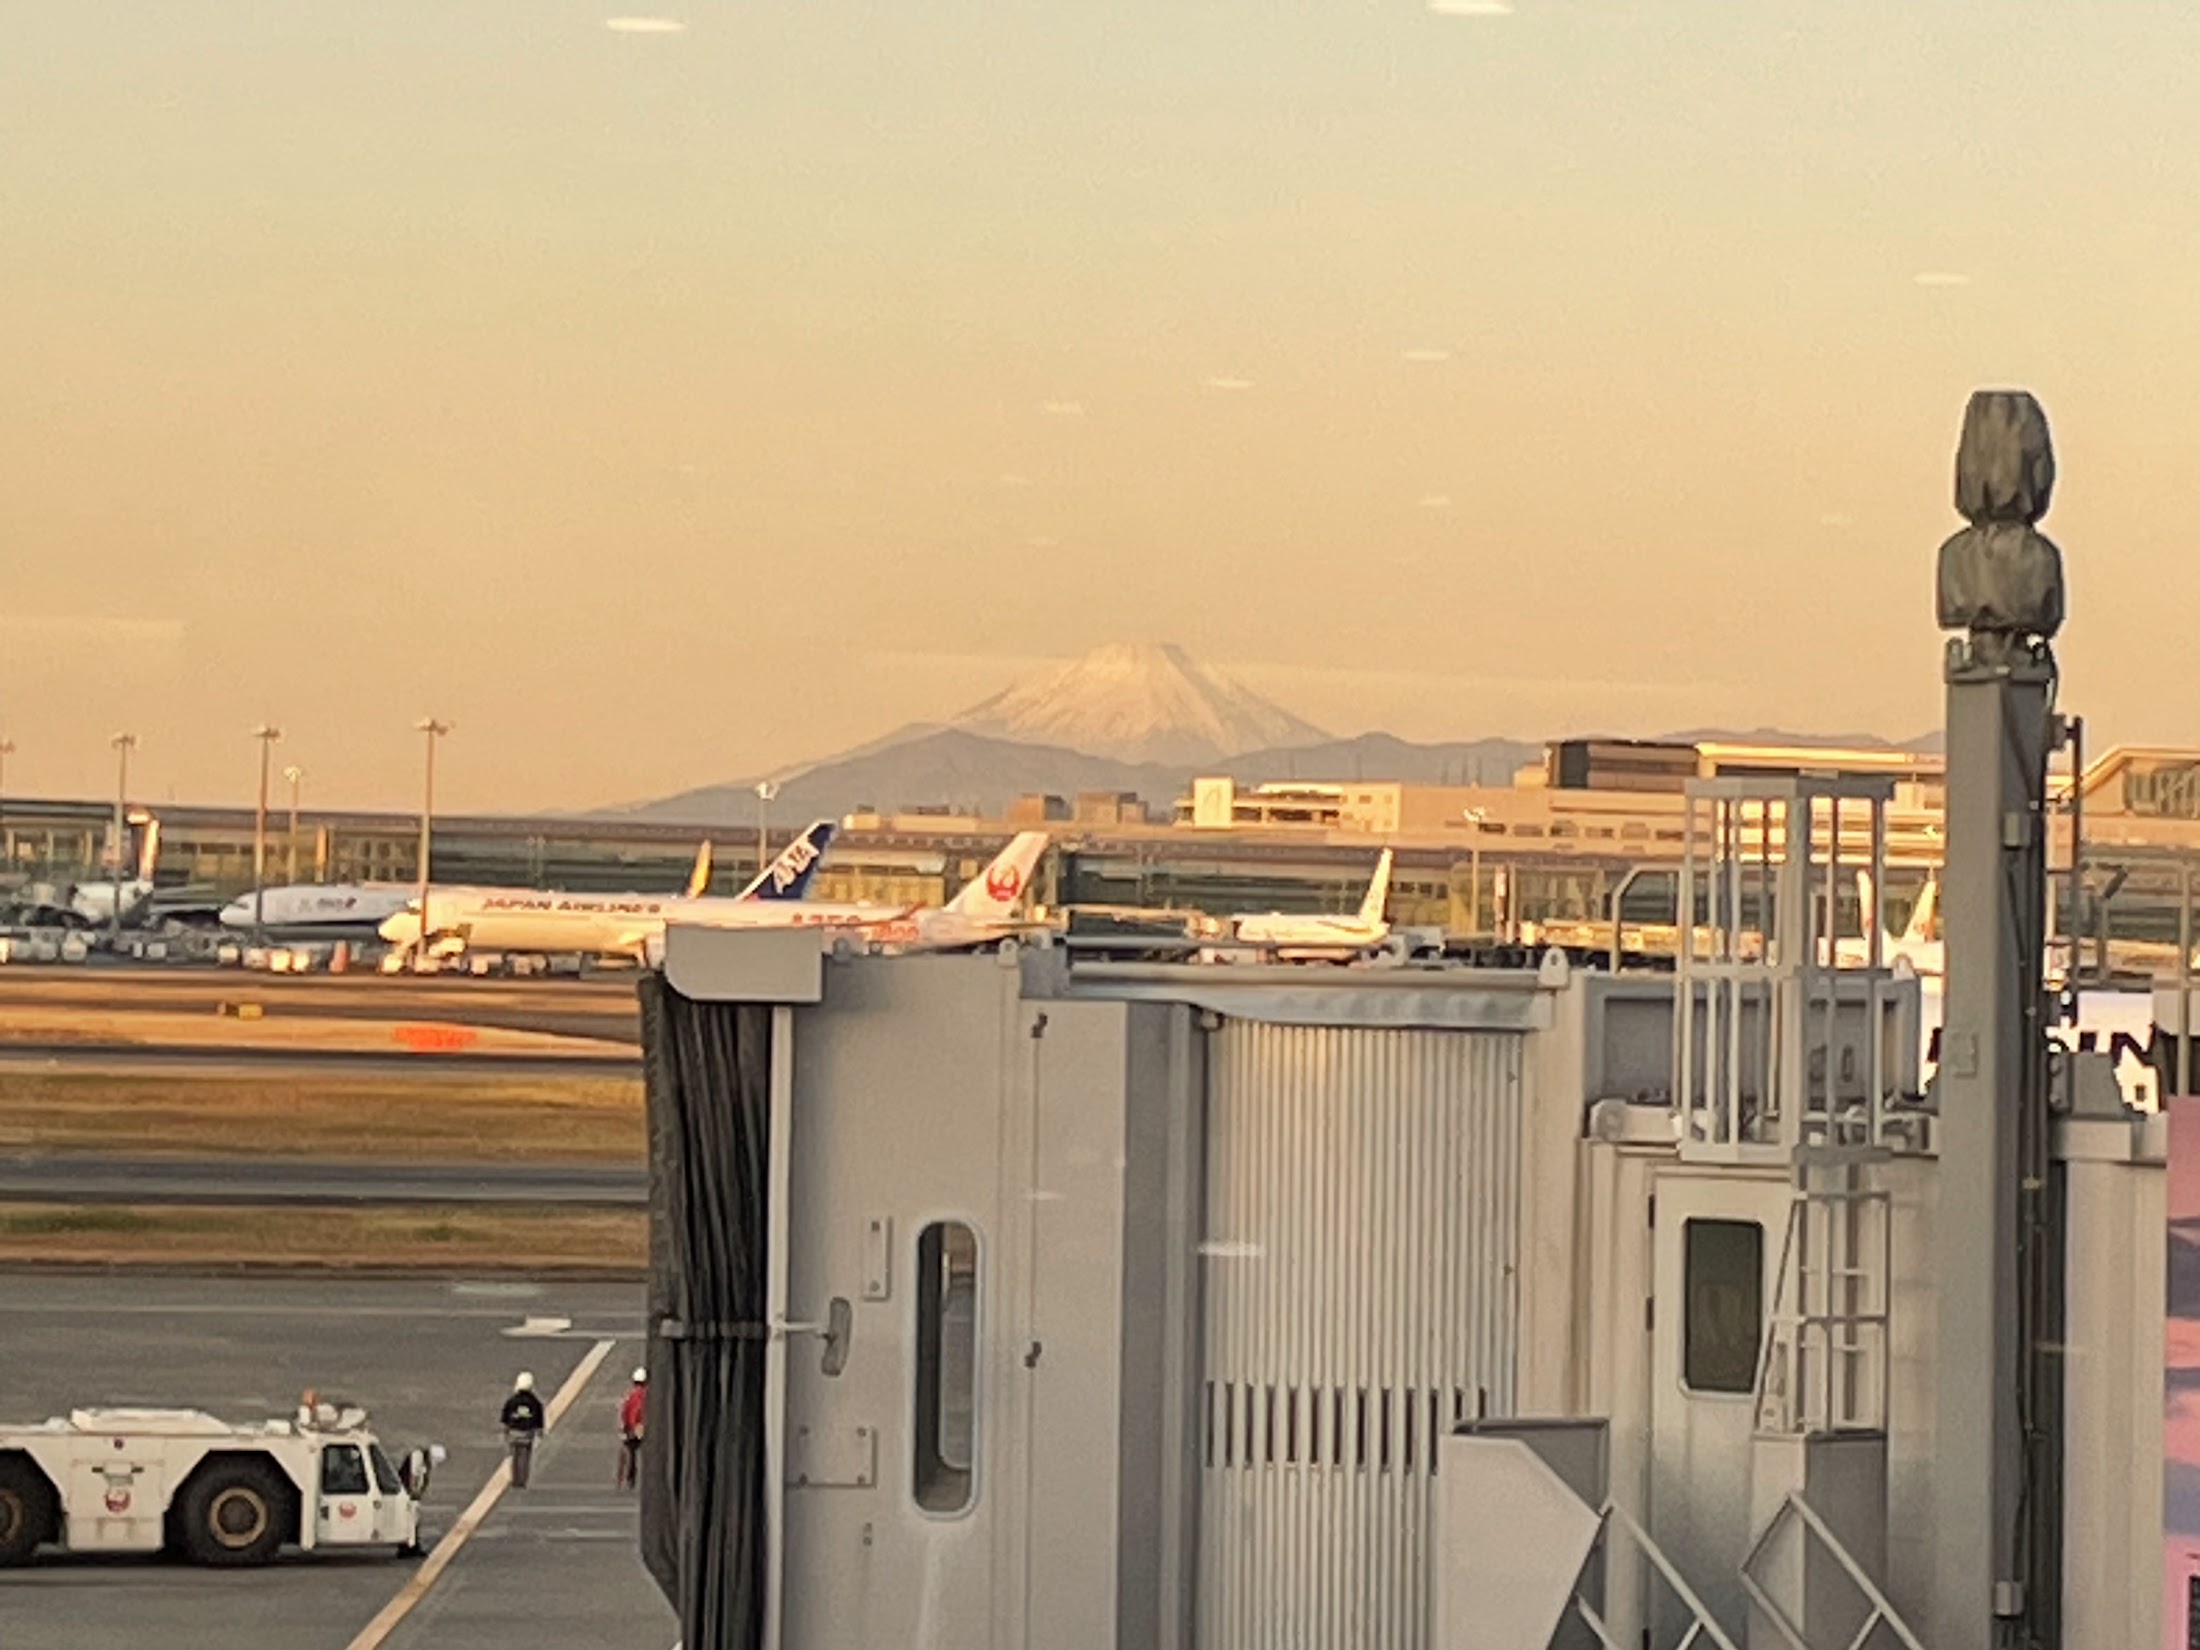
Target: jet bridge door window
x: 1723, y: 1316
x: 946, y: 1367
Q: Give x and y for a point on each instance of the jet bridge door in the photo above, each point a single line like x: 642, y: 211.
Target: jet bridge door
x: 1716, y: 1245
x: 954, y: 1176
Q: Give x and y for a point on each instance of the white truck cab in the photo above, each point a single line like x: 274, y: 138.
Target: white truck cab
x: 180, y: 1480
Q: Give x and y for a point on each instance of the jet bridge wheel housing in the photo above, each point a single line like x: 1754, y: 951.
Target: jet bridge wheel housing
x: 235, y: 1510
x: 30, y: 1512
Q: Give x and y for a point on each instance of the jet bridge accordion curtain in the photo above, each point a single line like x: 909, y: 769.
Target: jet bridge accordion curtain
x: 707, y: 1069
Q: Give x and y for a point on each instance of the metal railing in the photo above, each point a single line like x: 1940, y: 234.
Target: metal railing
x: 1880, y: 1616
x: 1703, y: 1628
x: 1764, y: 980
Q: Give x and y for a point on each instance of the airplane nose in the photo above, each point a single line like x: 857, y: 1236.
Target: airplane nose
x: 237, y: 914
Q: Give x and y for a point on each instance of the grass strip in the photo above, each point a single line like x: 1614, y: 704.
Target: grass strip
x: 436, y: 1117
x: 410, y: 1237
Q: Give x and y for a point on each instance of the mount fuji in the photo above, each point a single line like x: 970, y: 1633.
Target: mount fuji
x: 1137, y: 703
x: 1128, y: 717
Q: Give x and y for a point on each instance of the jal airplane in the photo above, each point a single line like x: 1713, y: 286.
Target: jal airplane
x: 1298, y: 937
x: 633, y: 929
x: 1915, y: 945
x: 331, y: 910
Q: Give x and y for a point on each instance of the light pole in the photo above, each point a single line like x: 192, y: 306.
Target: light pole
x: 266, y: 733
x: 124, y: 744
x: 296, y: 776
x: 7, y: 850
x: 1475, y: 817
x: 765, y: 791
x: 432, y: 730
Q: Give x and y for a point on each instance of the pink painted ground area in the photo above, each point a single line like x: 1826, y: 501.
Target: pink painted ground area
x: 2180, y: 1562
x: 2181, y: 1418
x: 2184, y: 1158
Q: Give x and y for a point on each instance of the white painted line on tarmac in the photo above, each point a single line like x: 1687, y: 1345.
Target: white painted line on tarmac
x: 534, y: 1328
x: 371, y: 1636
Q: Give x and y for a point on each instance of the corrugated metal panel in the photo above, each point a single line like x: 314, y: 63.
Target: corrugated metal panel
x: 1361, y: 1266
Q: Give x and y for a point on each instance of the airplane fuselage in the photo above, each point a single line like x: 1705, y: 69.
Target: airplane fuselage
x: 324, y: 909
x: 592, y: 925
x: 97, y: 901
x: 1310, y: 938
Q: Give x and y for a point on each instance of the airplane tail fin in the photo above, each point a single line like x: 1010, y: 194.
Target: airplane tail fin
x: 1378, y: 893
x: 992, y: 894
x: 1920, y: 929
x: 1864, y: 891
x: 789, y: 876
x: 699, y: 878
x: 149, y: 851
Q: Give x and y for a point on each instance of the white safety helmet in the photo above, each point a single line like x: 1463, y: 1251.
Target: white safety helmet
x: 525, y: 1383
x: 641, y: 1376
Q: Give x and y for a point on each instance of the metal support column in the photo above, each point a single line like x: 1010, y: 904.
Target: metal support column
x: 2184, y: 978
x: 1997, y: 1521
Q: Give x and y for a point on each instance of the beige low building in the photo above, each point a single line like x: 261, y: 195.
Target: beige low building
x: 1607, y: 798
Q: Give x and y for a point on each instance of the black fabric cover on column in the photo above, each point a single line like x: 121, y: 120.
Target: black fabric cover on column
x: 707, y: 1067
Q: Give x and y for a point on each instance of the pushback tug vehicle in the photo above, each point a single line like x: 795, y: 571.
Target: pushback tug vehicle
x: 183, y: 1481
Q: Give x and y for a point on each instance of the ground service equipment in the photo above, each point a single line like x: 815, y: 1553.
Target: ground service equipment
x: 180, y: 1480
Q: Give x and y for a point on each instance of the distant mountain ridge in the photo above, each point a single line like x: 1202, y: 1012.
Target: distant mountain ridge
x: 971, y: 773
x: 968, y: 772
x: 1143, y: 720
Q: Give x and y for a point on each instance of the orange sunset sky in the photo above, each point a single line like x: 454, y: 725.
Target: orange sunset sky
x: 664, y: 404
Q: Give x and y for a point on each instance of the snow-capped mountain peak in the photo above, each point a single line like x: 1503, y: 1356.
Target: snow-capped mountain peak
x: 1139, y: 703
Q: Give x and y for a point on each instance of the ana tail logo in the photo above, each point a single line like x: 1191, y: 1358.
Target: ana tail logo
x: 791, y: 865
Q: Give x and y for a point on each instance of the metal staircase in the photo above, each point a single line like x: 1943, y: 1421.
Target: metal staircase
x: 1824, y: 1367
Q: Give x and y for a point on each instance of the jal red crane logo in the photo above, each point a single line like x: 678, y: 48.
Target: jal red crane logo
x: 1004, y: 882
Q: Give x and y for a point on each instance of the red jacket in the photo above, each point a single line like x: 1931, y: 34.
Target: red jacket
x: 630, y: 1412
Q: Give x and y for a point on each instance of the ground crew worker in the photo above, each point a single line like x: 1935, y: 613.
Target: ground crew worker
x: 523, y: 1423
x: 630, y: 1430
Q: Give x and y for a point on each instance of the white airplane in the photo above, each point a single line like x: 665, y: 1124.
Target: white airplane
x: 329, y: 910
x: 1915, y: 945
x: 1314, y: 938
x: 326, y: 909
x: 97, y: 902
x: 633, y: 929
x: 2119, y: 1024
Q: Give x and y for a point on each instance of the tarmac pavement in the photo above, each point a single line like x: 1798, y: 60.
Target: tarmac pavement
x: 547, y: 1568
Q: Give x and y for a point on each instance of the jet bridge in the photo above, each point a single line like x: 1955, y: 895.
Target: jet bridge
x: 1034, y: 1300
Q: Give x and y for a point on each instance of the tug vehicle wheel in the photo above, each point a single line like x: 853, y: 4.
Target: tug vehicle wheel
x: 234, y: 1513
x: 29, y: 1512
